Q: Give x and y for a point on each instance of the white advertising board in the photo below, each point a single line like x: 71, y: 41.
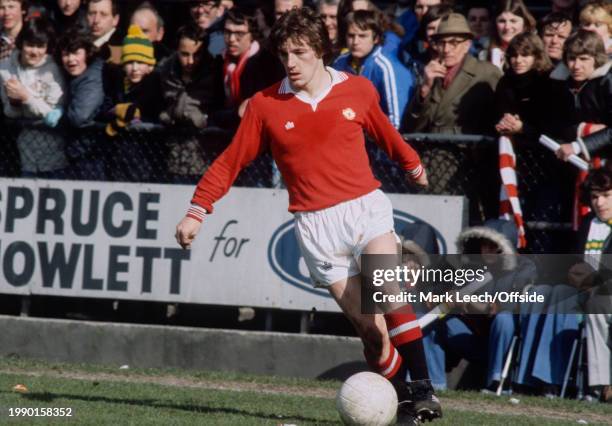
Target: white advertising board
x: 116, y: 240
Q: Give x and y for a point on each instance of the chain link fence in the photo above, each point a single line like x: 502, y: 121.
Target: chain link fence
x: 456, y: 165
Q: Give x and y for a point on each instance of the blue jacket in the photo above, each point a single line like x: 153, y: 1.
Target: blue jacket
x: 85, y: 96
x: 393, y: 81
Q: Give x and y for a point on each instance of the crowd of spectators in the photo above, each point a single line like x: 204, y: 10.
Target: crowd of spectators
x: 77, y: 77
x: 69, y: 64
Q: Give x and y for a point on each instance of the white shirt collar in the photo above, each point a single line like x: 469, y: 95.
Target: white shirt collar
x: 337, y: 77
x: 103, y: 39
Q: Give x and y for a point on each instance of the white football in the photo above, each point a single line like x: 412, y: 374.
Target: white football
x: 367, y: 399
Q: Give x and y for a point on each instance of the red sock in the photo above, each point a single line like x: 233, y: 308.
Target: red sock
x: 403, y: 326
x: 407, y: 337
x: 389, y: 367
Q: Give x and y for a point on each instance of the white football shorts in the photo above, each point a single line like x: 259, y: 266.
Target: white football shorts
x: 332, y: 239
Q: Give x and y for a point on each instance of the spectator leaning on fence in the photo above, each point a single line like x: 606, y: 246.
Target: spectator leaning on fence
x: 393, y: 81
x: 188, y: 83
x: 12, y: 14
x: 132, y: 96
x: 132, y: 91
x: 103, y: 19
x: 85, y: 96
x: 523, y: 102
x: 32, y: 87
x: 522, y: 94
x: 189, y: 90
x: 457, y: 93
x: 588, y: 95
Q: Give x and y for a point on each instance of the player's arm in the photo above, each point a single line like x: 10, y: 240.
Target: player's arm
x: 214, y: 184
x: 379, y: 127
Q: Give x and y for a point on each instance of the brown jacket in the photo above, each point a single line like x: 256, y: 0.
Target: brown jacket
x: 467, y: 106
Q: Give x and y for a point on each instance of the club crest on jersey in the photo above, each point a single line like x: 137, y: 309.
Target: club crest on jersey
x: 289, y: 125
x: 348, y: 113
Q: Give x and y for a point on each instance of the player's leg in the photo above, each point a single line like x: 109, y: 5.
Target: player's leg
x: 417, y: 396
x: 371, y: 328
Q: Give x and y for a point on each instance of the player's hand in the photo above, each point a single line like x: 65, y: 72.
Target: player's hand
x: 186, y: 231
x: 565, y: 151
x: 422, y: 180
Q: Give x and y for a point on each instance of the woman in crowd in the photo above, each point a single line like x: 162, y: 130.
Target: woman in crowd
x: 511, y: 18
x: 521, y: 94
x: 85, y: 96
x: 32, y: 88
x: 597, y: 17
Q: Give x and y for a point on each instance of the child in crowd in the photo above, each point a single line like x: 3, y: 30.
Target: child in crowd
x: 132, y: 96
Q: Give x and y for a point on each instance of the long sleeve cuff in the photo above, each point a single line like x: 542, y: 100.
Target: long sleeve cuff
x: 416, y: 172
x: 196, y: 212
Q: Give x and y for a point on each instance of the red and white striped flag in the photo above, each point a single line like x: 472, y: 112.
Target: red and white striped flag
x: 509, y: 204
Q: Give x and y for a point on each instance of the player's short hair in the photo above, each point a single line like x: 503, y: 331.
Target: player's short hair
x: 301, y: 26
x: 585, y: 42
x: 367, y: 20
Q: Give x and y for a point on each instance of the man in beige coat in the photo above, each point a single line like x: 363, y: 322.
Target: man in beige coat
x: 457, y: 92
